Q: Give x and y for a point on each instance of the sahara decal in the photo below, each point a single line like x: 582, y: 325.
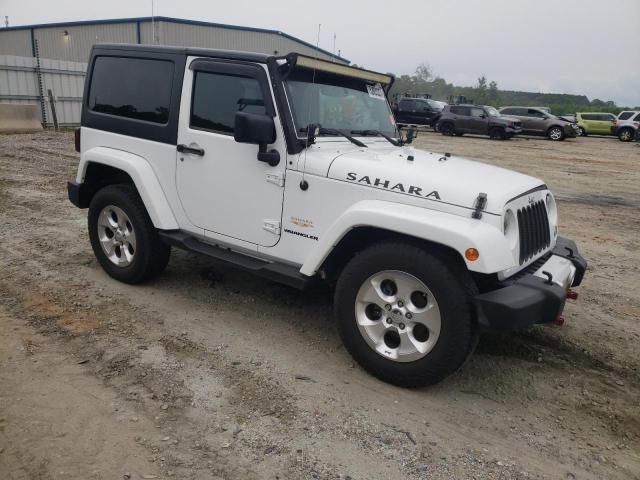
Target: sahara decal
x: 386, y: 184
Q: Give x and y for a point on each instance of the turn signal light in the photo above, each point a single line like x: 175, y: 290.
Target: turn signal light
x: 471, y: 254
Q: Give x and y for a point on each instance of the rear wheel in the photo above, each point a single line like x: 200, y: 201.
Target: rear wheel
x: 405, y: 314
x: 447, y: 129
x: 626, y: 135
x: 497, y: 133
x: 123, y: 238
x: 555, y: 133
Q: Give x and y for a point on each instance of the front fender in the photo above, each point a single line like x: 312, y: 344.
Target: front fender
x: 446, y: 229
x: 143, y: 177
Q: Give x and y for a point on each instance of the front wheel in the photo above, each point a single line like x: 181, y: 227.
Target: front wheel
x: 583, y: 132
x: 123, y: 238
x: 405, y: 314
x: 497, y: 133
x: 555, y: 133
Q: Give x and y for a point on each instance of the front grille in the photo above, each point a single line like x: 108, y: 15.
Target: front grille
x: 533, y: 227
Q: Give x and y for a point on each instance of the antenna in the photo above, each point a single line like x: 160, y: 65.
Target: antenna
x: 303, y: 183
x: 153, y: 25
x: 333, y: 57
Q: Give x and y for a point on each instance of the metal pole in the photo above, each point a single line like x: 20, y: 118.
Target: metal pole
x: 52, y: 103
x: 43, y: 107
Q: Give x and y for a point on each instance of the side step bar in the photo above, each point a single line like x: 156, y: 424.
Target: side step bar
x: 278, y: 272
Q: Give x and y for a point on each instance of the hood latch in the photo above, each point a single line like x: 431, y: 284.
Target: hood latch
x: 481, y: 202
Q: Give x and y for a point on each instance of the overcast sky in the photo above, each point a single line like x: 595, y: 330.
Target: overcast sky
x: 586, y: 47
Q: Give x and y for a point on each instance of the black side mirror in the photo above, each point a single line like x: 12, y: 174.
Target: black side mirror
x: 258, y: 130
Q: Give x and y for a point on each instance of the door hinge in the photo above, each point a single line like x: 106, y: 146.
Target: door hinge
x: 276, y: 179
x: 272, y: 226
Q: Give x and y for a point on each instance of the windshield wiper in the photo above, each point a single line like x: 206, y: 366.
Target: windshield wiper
x: 392, y: 141
x: 331, y: 131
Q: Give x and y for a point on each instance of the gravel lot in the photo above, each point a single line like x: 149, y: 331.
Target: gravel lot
x: 209, y: 373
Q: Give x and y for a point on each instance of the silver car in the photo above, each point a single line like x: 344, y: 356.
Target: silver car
x: 627, y: 125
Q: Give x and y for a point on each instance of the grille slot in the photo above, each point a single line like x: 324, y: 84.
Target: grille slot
x: 533, y: 229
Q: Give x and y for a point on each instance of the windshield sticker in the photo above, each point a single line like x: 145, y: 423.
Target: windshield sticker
x: 376, y: 91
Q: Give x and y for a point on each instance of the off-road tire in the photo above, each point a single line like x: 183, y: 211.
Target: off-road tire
x: 447, y: 129
x: 452, y: 288
x: 626, y: 134
x: 497, y: 133
x: 151, y: 254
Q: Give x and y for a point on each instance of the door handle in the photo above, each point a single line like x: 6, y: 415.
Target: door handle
x: 195, y: 151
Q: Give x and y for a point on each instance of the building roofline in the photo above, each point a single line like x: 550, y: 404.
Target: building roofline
x: 172, y: 20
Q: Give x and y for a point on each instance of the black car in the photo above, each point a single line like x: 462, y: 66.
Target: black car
x: 478, y: 119
x: 418, y: 111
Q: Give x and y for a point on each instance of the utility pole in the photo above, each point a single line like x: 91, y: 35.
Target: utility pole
x: 6, y: 21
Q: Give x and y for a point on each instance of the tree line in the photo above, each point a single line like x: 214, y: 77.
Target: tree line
x: 486, y: 92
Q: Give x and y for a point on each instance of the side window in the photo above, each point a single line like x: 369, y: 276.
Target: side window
x: 509, y: 111
x: 625, y: 115
x: 406, y: 104
x: 587, y: 116
x: 534, y: 113
x: 477, y: 112
x: 423, y: 106
x: 217, y: 97
x: 134, y: 88
x: 460, y: 111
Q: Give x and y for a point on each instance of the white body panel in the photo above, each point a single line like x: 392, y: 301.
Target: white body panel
x: 226, y: 192
x: 227, y: 195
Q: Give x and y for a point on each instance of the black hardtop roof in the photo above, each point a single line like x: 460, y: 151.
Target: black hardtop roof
x: 201, y: 52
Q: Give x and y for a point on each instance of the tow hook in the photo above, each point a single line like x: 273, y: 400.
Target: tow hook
x: 572, y: 294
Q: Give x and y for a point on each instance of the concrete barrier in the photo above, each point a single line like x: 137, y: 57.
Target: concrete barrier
x: 19, y: 118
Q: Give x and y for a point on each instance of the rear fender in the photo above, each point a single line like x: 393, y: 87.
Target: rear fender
x: 144, y: 179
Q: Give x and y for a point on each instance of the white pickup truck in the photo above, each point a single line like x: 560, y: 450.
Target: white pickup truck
x: 292, y: 167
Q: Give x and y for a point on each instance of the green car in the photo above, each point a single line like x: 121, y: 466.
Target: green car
x: 596, y: 123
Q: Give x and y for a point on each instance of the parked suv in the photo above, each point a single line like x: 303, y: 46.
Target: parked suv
x: 596, y: 123
x: 627, y: 125
x: 290, y: 167
x: 477, y: 119
x: 536, y: 121
x: 418, y: 111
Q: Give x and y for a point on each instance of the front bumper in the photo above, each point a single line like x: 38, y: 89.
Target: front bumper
x: 513, y: 130
x: 571, y: 132
x: 537, y: 297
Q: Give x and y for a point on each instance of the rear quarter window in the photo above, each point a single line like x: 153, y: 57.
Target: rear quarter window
x: 134, y: 88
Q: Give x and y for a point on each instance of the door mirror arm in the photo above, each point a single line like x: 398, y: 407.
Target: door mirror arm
x: 272, y: 157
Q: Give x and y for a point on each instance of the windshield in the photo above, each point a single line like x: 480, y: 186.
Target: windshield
x: 337, y: 102
x: 492, y: 112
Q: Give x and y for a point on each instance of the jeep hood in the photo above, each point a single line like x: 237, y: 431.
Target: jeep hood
x: 428, y: 175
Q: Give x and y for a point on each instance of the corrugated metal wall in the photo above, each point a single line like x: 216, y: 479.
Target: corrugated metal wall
x: 19, y: 84
x: 76, y: 44
x: 171, y: 33
x: 15, y: 42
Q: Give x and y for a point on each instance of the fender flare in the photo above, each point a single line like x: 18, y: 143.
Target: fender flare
x: 453, y: 231
x: 144, y: 179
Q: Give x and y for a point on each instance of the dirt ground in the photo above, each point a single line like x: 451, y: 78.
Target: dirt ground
x: 210, y: 373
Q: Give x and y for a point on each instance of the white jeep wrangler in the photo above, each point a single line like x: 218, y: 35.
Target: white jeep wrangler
x: 292, y: 167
